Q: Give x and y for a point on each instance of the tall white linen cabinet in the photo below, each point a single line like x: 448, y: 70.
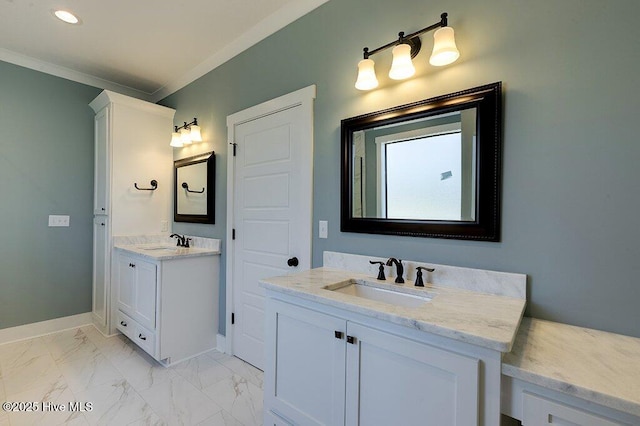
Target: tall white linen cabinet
x: 132, y: 156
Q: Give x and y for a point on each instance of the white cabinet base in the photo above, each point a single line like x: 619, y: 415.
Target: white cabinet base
x: 326, y: 365
x: 168, y: 307
x: 537, y: 406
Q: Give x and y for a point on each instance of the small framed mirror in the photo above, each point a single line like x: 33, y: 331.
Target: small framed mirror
x: 427, y: 169
x: 194, y: 182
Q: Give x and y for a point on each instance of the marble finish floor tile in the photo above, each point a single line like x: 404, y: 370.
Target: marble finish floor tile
x: 203, y: 371
x: 115, y: 403
x: 92, y: 371
x: 241, y: 398
x: 70, y: 345
x: 221, y: 418
x: 50, y: 400
x: 248, y: 371
x: 124, y: 384
x: 179, y: 402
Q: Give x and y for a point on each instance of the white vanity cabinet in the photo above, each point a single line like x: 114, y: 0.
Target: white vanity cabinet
x: 168, y: 307
x: 337, y: 368
x: 131, y: 148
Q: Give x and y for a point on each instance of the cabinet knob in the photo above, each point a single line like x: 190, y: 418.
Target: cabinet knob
x: 102, y: 224
x: 133, y: 265
x: 122, y: 323
x: 338, y: 334
x: 142, y: 337
x: 351, y: 339
x: 293, y: 261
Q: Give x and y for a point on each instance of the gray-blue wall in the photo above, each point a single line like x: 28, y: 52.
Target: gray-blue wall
x: 46, y: 167
x: 571, y: 155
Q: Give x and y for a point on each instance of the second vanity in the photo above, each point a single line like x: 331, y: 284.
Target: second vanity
x: 166, y: 297
x: 336, y: 357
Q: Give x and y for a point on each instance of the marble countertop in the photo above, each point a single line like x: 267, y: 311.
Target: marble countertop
x: 597, y: 366
x: 163, y: 251
x: 485, y: 320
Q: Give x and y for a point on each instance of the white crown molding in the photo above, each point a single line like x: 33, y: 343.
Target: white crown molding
x: 259, y: 32
x: 69, y: 74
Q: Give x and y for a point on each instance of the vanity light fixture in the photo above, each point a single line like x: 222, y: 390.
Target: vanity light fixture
x: 186, y: 134
x: 405, y: 49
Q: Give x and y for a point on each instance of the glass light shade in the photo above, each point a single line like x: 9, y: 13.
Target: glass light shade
x: 175, y: 140
x: 185, y: 136
x: 445, y: 51
x: 366, y: 75
x: 402, y: 65
x: 195, y: 134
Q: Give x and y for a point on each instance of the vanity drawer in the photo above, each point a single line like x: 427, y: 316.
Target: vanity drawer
x: 140, y: 335
x: 145, y: 339
x: 125, y: 324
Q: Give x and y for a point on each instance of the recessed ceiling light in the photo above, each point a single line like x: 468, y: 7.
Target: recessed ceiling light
x: 67, y: 17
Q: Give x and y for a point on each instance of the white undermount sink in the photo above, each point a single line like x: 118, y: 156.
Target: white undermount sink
x: 399, y: 297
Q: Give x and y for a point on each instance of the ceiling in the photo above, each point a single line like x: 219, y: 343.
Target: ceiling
x: 143, y: 48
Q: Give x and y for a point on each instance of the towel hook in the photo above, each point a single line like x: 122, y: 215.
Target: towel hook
x: 154, y: 186
x: 186, y: 186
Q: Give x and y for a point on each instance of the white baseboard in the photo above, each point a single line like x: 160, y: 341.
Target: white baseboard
x: 36, y: 329
x: 221, y: 343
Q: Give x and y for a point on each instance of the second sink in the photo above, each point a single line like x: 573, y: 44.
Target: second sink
x: 366, y: 290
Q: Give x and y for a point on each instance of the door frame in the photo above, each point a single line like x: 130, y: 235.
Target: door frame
x: 300, y: 98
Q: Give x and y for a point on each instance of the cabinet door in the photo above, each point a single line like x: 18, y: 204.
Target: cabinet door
x: 101, y: 163
x: 305, y: 364
x: 125, y: 285
x: 145, y: 293
x: 101, y: 256
x: 539, y: 411
x: 394, y: 380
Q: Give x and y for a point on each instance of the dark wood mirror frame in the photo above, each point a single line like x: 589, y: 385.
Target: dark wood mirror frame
x: 486, y: 227
x: 210, y: 159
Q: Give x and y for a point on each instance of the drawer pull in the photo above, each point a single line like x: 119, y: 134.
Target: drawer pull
x: 122, y: 323
x: 338, y: 334
x: 142, y: 337
x: 351, y: 339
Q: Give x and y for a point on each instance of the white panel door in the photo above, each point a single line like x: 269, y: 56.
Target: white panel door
x: 272, y: 217
x: 391, y: 378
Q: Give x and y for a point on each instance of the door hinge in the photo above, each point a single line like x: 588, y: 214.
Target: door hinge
x: 234, y: 147
x: 233, y: 318
x: 233, y: 234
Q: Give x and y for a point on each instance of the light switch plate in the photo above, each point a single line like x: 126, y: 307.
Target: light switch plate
x: 58, y: 220
x: 323, y: 229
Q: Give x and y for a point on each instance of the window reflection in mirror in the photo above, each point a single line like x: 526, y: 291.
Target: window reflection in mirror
x: 423, y: 169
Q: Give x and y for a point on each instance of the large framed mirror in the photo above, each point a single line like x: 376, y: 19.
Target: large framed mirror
x: 428, y: 169
x: 194, y: 184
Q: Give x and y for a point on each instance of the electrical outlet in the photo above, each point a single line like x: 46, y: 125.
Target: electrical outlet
x: 164, y: 226
x: 323, y: 229
x: 58, y: 220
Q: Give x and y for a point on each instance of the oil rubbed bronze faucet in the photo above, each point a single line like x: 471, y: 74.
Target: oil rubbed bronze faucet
x: 399, y: 269
x: 182, y: 240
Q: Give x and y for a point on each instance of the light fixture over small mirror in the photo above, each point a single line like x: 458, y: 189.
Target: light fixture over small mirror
x: 405, y: 49
x: 186, y: 134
